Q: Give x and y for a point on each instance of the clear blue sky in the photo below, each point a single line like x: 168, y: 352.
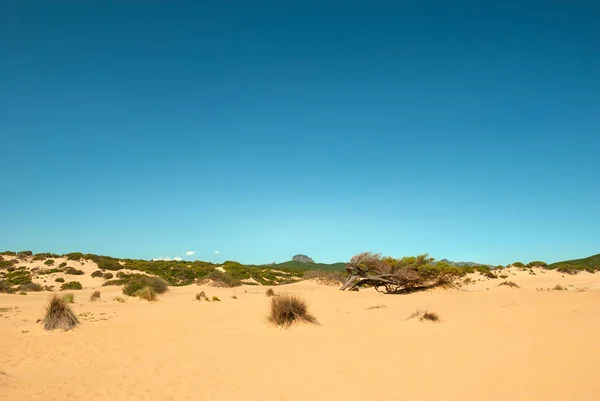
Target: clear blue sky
x: 264, y: 129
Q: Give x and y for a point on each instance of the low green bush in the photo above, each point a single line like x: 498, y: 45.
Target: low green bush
x: 60, y: 280
x: 49, y: 262
x: 97, y: 273
x: 74, y: 271
x: 71, y: 285
x: 138, y: 282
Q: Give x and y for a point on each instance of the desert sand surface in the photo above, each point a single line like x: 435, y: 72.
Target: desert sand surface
x: 492, y: 343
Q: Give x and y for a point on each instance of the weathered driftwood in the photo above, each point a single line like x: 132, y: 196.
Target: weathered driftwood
x: 358, y: 276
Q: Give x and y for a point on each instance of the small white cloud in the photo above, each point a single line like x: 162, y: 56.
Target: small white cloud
x: 163, y: 259
x: 177, y: 259
x: 189, y: 253
x: 217, y: 252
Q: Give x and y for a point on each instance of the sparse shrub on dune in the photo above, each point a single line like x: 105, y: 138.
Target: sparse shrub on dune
x: 63, y: 264
x: 325, y: 277
x: 559, y: 287
x: 95, y: 296
x: 509, y: 284
x: 138, y: 282
x: 31, y: 287
x: 119, y: 299
x: 216, y: 299
x: 425, y: 315
x: 107, y: 276
x: 270, y: 292
x: 74, y: 271
x: 220, y: 279
x: 147, y: 293
x: 69, y: 298
x: 287, y: 309
x: 201, y: 296
x: 59, y: 315
x: 49, y: 262
x: 60, y: 280
x: 6, y: 288
x: 97, y: 273
x: 71, y: 285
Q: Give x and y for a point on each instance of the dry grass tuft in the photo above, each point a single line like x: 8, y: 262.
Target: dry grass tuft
x: 201, y: 296
x: 59, y: 315
x: 69, y: 298
x: 509, y: 284
x: 216, y: 299
x: 270, y: 292
x: 234, y: 297
x: 425, y: 315
x: 288, y: 309
x: 559, y: 287
x: 377, y: 307
x: 147, y: 293
x: 119, y: 299
x: 95, y: 296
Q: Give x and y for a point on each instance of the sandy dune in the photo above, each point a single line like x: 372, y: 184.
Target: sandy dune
x: 492, y: 344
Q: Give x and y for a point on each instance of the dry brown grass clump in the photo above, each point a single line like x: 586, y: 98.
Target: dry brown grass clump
x: 201, y: 296
x: 270, y: 292
x: 559, y: 287
x: 95, y: 296
x: 425, y: 315
x: 509, y: 284
x: 288, y: 309
x: 119, y: 299
x: 69, y: 298
x: 59, y: 315
x: 377, y: 307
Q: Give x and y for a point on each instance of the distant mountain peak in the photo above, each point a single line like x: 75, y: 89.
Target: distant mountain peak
x: 302, y: 258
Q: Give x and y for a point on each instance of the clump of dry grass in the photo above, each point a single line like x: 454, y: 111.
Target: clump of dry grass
x: 425, y: 315
x: 95, y: 296
x: 147, y: 293
x: 59, y: 315
x: 216, y: 299
x: 119, y: 299
x: 201, y: 296
x: 376, y: 307
x: 559, y: 287
x: 270, y: 292
x: 509, y: 284
x: 288, y: 309
x: 69, y: 298
x: 234, y: 297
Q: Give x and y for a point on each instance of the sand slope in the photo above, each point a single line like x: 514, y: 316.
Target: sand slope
x: 496, y: 344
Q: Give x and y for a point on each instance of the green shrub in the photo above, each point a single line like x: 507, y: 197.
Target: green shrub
x: 18, y: 277
x: 114, y: 282
x: 146, y: 293
x: 49, y: 262
x: 42, y: 272
x: 60, y: 280
x: 5, y: 264
x: 63, y: 264
x: 138, y: 282
x: 288, y: 309
x: 74, y: 271
x: 569, y: 269
x: 216, y: 299
x: 107, y: 276
x: 537, y: 263
x: 97, y: 273
x: 74, y: 256
x: 518, y: 264
x: 221, y: 279
x: 71, y: 285
x: 59, y: 315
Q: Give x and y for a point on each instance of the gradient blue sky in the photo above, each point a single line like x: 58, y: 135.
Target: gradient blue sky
x: 467, y: 130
